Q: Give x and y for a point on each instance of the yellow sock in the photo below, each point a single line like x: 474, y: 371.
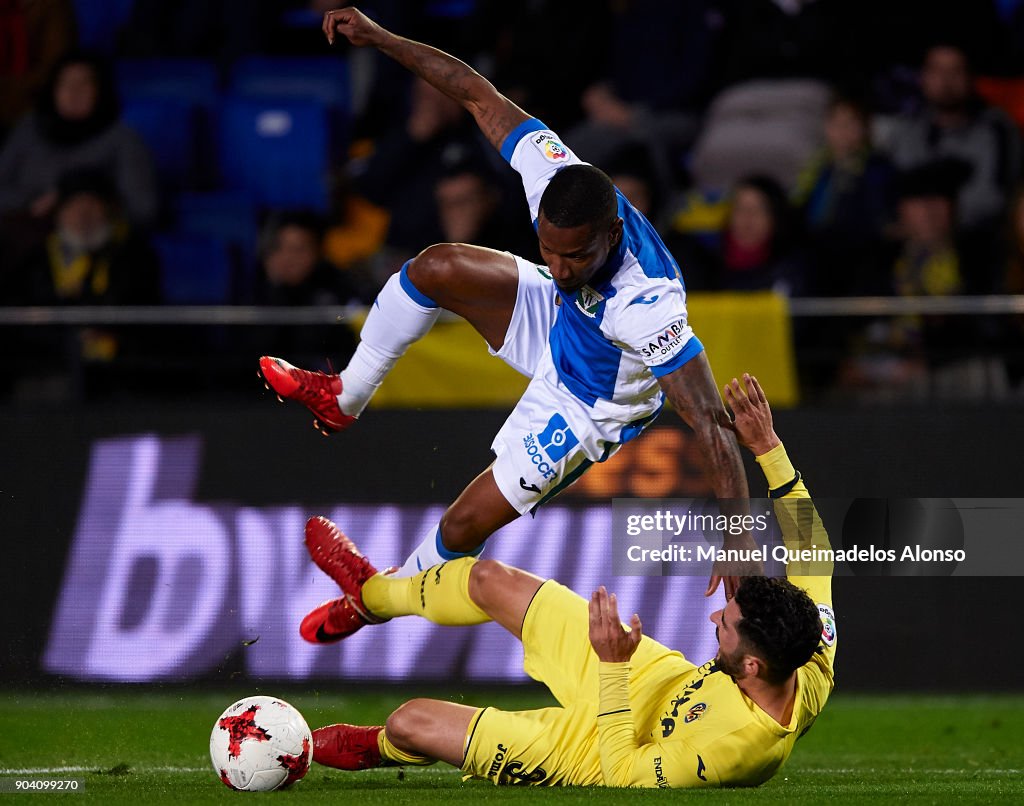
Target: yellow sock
x: 440, y: 594
x: 390, y: 753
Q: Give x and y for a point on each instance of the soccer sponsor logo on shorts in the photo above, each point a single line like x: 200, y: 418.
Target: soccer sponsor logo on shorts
x: 557, y: 439
x: 499, y: 756
x: 550, y: 446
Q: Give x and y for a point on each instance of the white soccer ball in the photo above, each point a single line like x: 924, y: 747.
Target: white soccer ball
x: 259, y: 744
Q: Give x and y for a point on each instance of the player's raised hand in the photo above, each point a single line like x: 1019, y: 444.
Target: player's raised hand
x: 612, y: 642
x: 355, y: 26
x: 753, y: 415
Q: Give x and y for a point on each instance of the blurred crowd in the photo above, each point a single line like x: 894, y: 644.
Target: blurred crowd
x: 810, y: 147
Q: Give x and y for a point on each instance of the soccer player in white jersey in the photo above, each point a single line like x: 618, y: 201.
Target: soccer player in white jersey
x: 601, y: 329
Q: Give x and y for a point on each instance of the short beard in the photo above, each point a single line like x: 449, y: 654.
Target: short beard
x: 731, y: 664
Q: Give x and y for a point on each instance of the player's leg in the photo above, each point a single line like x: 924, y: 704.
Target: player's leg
x: 476, y: 283
x: 418, y: 733
x: 479, y: 511
x: 541, y: 747
x: 461, y: 592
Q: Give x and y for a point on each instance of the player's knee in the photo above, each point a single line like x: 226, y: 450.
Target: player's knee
x: 460, y: 531
x: 487, y: 577
x: 406, y: 723
x: 436, y: 268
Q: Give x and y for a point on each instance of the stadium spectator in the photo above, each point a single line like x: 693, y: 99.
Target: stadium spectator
x: 91, y: 257
x: 632, y: 170
x: 954, y: 122
x: 845, y: 196
x: 472, y: 207
x: 295, y: 273
x: 76, y: 125
x: 897, y: 355
x: 402, y: 173
x: 755, y: 251
x: 624, y: 106
x: 628, y: 712
x: 35, y: 33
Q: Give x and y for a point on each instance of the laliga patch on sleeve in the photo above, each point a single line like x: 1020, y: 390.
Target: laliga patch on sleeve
x: 550, y: 148
x: 828, y: 624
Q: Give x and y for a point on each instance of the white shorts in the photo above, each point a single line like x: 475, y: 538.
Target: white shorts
x: 538, y: 453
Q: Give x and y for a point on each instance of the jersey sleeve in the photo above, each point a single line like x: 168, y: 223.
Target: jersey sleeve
x: 625, y: 762
x: 803, y: 530
x: 537, y: 154
x: 653, y: 323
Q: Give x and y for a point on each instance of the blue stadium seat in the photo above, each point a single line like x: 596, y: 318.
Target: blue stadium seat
x: 195, y: 269
x: 171, y: 129
x: 276, y: 152
x: 99, y: 22
x: 191, y: 81
x: 322, y: 79
x: 225, y: 215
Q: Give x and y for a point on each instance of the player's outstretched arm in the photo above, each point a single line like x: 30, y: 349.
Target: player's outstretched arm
x: 798, y: 519
x: 692, y: 392
x: 495, y: 114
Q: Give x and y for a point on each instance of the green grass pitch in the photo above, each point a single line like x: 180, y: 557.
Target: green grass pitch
x: 150, y: 746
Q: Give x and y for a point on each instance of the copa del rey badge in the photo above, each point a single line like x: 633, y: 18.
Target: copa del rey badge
x: 588, y: 301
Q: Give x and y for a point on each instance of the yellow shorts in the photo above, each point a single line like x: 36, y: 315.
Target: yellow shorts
x: 558, y: 746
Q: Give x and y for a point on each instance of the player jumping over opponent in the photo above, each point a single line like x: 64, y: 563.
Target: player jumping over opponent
x: 601, y: 330
x: 632, y: 712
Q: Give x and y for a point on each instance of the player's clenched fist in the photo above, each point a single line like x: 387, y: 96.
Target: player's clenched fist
x: 612, y: 641
x: 355, y: 26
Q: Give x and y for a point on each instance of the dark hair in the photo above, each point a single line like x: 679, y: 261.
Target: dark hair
x: 89, y: 182
x: 634, y: 159
x: 578, y: 195
x: 306, y: 220
x: 780, y: 623
x: 107, y: 111
x: 855, y: 103
x: 783, y: 219
x: 949, y: 43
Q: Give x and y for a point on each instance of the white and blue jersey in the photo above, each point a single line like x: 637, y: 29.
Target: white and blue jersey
x: 595, y: 355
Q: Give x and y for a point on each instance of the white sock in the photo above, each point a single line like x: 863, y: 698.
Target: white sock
x: 399, y: 316
x: 432, y: 552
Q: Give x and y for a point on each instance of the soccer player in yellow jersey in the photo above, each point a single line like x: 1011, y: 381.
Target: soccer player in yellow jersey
x: 631, y: 711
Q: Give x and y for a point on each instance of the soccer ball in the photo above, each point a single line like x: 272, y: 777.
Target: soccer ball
x: 259, y: 744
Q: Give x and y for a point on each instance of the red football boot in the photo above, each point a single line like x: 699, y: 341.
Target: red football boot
x: 317, y: 391
x: 338, y: 557
x: 331, y: 621
x: 347, y: 747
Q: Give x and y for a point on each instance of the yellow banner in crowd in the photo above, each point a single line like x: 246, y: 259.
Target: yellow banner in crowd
x: 451, y: 366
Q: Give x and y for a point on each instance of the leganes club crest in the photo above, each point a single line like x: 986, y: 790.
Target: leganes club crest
x: 588, y: 301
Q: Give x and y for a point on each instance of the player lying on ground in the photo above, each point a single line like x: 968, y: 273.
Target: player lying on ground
x: 632, y: 712
x: 601, y: 329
